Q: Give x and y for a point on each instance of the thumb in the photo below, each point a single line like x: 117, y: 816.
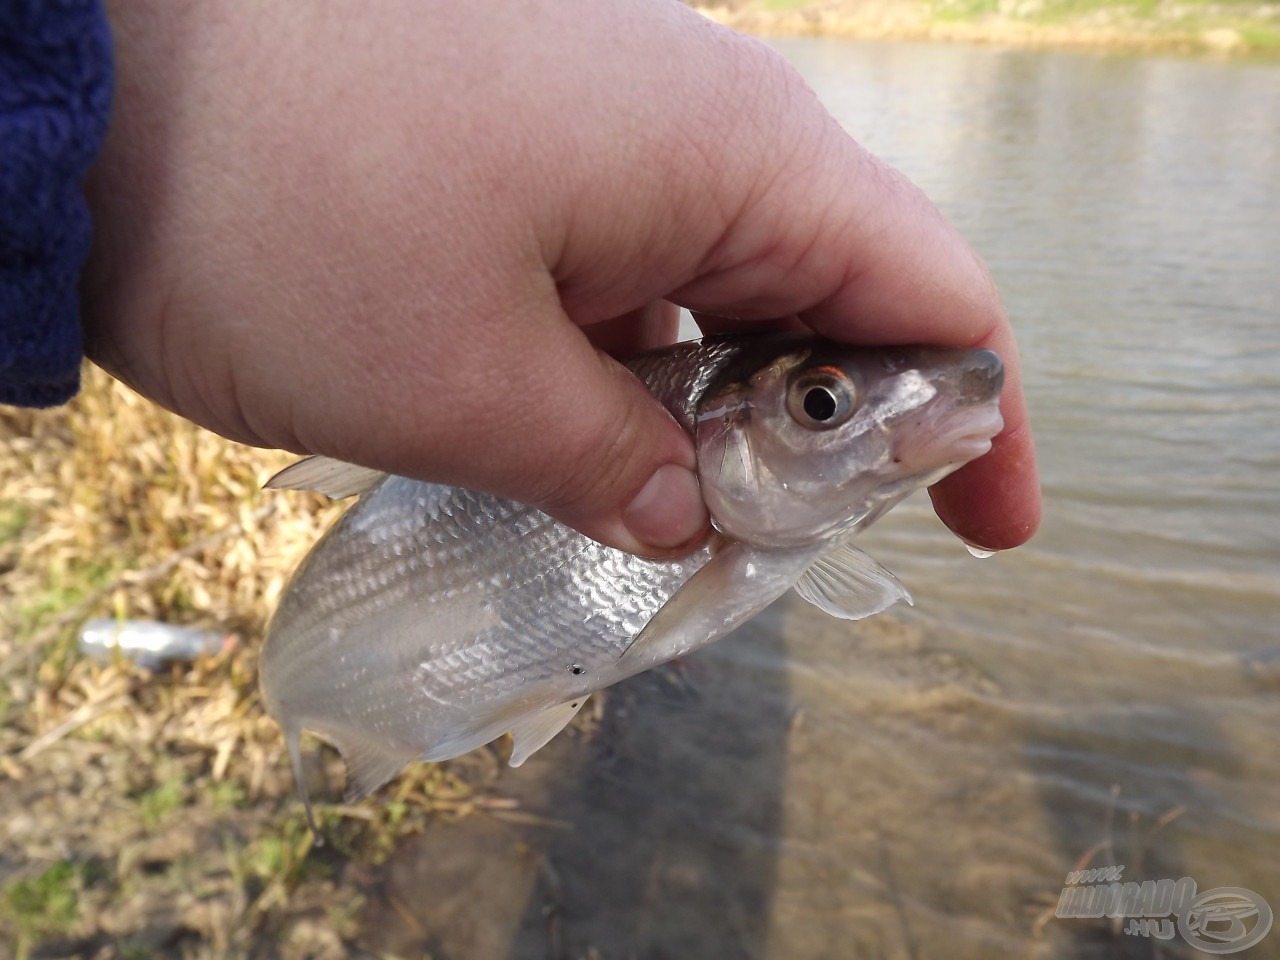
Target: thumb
x: 554, y: 422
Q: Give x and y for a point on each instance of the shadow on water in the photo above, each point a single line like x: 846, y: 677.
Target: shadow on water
x: 648, y: 833
x: 809, y: 788
x: 1163, y: 792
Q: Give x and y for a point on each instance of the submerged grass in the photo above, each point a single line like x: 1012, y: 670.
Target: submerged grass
x: 153, y: 814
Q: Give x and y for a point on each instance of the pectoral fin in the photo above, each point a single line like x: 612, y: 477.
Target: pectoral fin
x: 530, y: 734
x: 333, y: 478
x: 849, y: 584
x: 734, y: 585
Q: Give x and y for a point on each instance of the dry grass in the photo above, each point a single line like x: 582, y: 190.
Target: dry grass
x: 153, y: 814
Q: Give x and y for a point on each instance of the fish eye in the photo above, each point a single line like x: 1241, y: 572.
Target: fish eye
x: 821, y: 398
x: 820, y: 403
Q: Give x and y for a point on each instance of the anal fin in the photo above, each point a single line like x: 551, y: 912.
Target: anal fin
x: 531, y: 733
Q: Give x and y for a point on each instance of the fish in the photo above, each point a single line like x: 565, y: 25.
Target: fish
x: 432, y: 619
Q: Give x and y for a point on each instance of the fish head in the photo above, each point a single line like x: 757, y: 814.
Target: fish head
x: 808, y: 439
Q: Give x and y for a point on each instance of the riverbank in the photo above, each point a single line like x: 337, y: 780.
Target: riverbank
x: 1223, y: 29
x: 153, y: 813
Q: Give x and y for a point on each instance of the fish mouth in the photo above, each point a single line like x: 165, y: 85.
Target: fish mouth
x: 970, y: 448
x: 964, y: 435
x: 974, y: 435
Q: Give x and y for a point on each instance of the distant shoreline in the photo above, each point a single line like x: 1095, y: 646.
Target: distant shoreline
x: 1227, y: 29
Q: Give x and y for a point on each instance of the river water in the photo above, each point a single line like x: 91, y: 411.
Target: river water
x: 919, y: 785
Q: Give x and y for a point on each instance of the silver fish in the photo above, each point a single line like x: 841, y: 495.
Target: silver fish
x: 431, y: 619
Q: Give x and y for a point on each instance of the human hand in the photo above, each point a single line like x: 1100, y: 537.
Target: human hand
x: 378, y: 232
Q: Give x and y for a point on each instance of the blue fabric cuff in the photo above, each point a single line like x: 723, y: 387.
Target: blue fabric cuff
x: 55, y: 97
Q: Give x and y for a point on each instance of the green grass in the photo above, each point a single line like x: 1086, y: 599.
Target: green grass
x: 14, y: 517
x: 227, y: 795
x: 47, y: 903
x: 280, y: 858
x: 962, y: 10
x: 1047, y: 11
x: 1064, y: 11
x: 66, y: 587
x: 161, y: 801
x: 1261, y: 37
x: 1146, y: 18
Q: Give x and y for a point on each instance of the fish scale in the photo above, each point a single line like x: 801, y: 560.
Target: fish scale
x: 588, y: 603
x: 432, y: 619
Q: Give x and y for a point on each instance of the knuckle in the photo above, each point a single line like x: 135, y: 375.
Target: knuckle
x: 596, y: 467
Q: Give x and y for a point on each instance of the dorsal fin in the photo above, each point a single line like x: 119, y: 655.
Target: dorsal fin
x: 333, y: 478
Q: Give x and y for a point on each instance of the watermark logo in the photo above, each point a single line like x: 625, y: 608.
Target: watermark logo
x: 1219, y: 921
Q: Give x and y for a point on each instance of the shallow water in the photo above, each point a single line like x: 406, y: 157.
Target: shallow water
x: 919, y: 786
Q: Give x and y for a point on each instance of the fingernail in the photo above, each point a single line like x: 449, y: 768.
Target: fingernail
x: 668, y: 511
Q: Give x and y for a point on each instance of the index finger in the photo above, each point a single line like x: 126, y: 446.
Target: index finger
x: 892, y: 270
x: 776, y: 212
x: 921, y: 283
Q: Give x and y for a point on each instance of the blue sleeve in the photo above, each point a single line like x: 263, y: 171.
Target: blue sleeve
x: 55, y: 94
